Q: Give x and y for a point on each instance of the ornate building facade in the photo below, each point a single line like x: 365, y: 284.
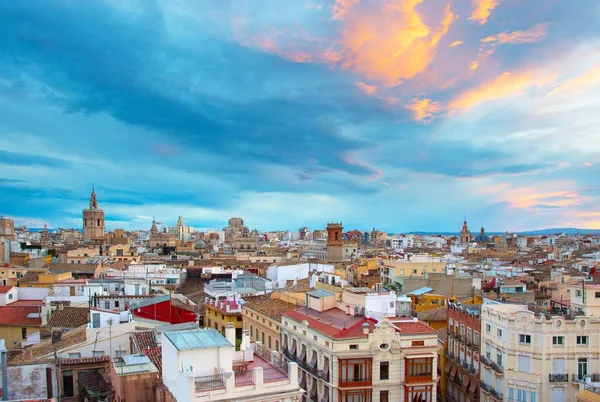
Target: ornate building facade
x: 93, y: 222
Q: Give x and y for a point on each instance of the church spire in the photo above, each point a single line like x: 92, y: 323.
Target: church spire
x: 93, y: 201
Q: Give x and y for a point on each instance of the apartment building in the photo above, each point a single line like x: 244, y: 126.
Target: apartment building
x: 261, y: 316
x: 462, y: 364
x: 217, y: 314
x: 198, y: 365
x: 346, y: 356
x: 536, y: 357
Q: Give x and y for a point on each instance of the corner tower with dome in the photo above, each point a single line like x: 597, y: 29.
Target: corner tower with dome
x: 93, y: 222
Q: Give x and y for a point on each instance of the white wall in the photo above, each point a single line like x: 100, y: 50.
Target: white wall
x: 108, y: 339
x: 9, y: 297
x: 29, y: 382
x: 174, y: 380
x: 278, y: 273
x: 376, y: 305
x: 33, y: 293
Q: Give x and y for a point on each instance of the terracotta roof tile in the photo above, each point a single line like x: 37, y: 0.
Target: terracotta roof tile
x: 143, y: 340
x: 155, y: 356
x: 434, y: 314
x: 267, y: 306
x: 414, y: 328
x: 354, y: 330
x: 69, y: 317
x: 443, y: 334
x: 18, y: 316
x: 5, y: 289
x: 75, y: 268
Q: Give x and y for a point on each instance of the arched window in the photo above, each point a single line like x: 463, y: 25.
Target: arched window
x: 336, y: 235
x: 98, y: 221
x: 85, y: 222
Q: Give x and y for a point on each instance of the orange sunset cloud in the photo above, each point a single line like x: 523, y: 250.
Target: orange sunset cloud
x: 341, y: 7
x: 482, y: 11
x: 368, y: 89
x: 503, y: 86
x: 391, y: 43
x: 424, y: 109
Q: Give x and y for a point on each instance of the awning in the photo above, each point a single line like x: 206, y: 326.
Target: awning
x: 449, y: 365
x: 473, y: 387
x: 466, y: 381
x: 453, y: 372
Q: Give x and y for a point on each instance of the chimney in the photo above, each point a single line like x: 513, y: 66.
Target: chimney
x: 230, y: 333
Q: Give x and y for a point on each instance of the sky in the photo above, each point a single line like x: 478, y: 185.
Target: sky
x: 400, y: 115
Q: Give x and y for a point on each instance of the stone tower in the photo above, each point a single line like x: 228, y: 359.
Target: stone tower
x: 465, y: 233
x: 93, y: 221
x: 335, y: 242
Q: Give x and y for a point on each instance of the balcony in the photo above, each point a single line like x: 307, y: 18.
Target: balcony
x: 485, y: 361
x: 496, y: 395
x: 425, y: 377
x: 364, y: 381
x: 485, y: 387
x: 209, y: 382
x: 580, y: 378
x: 559, y: 378
x: 473, y: 370
x: 449, y: 355
x: 497, y: 368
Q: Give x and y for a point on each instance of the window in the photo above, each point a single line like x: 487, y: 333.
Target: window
x: 469, y: 335
x: 419, y: 369
x: 418, y: 343
x: 116, y: 304
x: 97, y: 353
x: 521, y: 395
x: 384, y: 396
x: 107, y: 305
x: 499, y: 332
x: 418, y: 393
x: 353, y: 347
x: 239, y: 318
x: 597, y: 294
x: 525, y: 339
x: 558, y: 340
x: 363, y: 395
x: 488, y: 327
x: 462, y: 329
x: 524, y: 364
x: 75, y: 355
x: 476, y: 338
x: 23, y: 333
x: 355, y: 372
x: 582, y: 340
x: 10, y: 296
x: 579, y: 293
x: 384, y: 371
x: 533, y: 396
x: 269, y: 341
x: 499, y: 357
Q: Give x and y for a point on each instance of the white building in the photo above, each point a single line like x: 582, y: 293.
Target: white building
x: 282, y: 272
x: 536, y: 357
x: 198, y: 366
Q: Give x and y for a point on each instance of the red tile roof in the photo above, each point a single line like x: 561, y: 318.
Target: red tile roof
x: 353, y: 331
x: 5, y: 289
x: 27, y: 303
x: 17, y: 316
x: 155, y: 356
x: 414, y: 328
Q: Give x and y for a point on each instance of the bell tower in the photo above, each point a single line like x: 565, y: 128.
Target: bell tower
x: 465, y: 233
x: 93, y: 221
x: 335, y: 241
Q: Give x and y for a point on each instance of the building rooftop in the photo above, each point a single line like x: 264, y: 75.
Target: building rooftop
x: 420, y: 291
x: 434, y: 314
x: 5, y: 289
x: 20, y: 316
x: 134, y: 364
x: 201, y: 338
x: 272, y: 308
x: 69, y: 317
x: 73, y: 268
x: 321, y: 293
x: 333, y: 322
x: 143, y: 340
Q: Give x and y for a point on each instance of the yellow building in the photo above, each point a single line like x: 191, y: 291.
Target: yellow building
x: 43, y: 279
x: 394, y: 269
x: 217, y: 314
x: 436, y: 318
x: 17, y: 322
x: 261, y: 317
x: 356, y: 271
x: 10, y: 275
x: 123, y: 252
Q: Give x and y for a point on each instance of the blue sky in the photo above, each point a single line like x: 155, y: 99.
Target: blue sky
x: 396, y: 114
